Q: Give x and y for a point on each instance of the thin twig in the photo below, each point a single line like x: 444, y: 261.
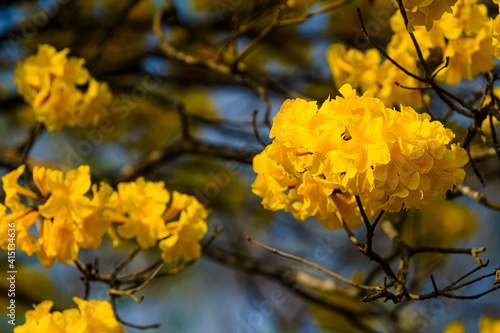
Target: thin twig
x: 309, y: 263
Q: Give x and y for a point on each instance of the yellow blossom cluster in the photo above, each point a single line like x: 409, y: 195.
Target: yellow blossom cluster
x: 365, y: 71
x: 425, y: 12
x: 94, y: 316
x: 53, y: 84
x: 70, y: 220
x: 463, y: 35
x: 354, y: 145
x: 140, y: 209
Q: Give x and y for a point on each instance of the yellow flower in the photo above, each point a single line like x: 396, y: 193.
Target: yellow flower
x: 93, y: 227
x: 355, y: 67
x: 317, y: 198
x: 292, y: 123
x: 98, y: 316
x: 94, y: 316
x: 37, y: 320
x: 455, y: 327
x: 33, y: 75
x: 496, y: 36
x: 425, y: 12
x: 94, y: 104
x: 140, y: 206
x: 57, y: 239
x: 50, y: 82
x: 271, y: 183
x: 365, y: 72
x: 489, y: 325
x: 468, y: 57
x: 67, y: 200
x: 20, y: 222
x: 65, y: 99
x: 12, y: 189
x: 422, y: 166
x: 183, y: 236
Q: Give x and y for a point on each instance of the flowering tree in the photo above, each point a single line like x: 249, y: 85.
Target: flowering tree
x: 119, y: 160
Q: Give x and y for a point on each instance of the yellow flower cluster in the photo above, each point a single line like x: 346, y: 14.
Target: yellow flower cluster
x: 464, y: 35
x: 354, y: 145
x: 365, y: 71
x: 94, y: 316
x: 140, y: 210
x: 181, y: 237
x: 424, y: 12
x: 70, y: 220
x: 51, y: 82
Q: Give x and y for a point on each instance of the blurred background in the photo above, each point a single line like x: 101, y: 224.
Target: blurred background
x: 217, y: 294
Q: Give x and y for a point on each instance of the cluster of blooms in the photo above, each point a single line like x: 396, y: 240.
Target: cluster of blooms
x: 365, y: 71
x: 93, y: 316
x: 140, y: 208
x: 51, y: 82
x: 354, y: 145
x: 422, y: 12
x: 70, y: 220
x: 464, y: 35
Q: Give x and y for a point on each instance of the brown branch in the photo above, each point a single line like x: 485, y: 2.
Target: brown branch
x: 130, y: 292
x: 309, y: 263
x: 470, y: 251
x: 155, y: 159
x: 478, y: 196
x: 256, y: 128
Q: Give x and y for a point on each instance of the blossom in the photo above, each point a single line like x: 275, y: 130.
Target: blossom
x: 496, y: 36
x: 468, y: 56
x: 63, y: 212
x: 489, y: 325
x: 95, y: 225
x: 365, y: 72
x: 181, y: 237
x: 94, y: 316
x: 354, y: 145
x: 455, y: 327
x: 272, y: 182
x: 67, y: 200
x: 12, y: 189
x: 421, y: 12
x: 50, y: 82
x: 139, y: 209
x: 21, y: 221
x: 355, y: 67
